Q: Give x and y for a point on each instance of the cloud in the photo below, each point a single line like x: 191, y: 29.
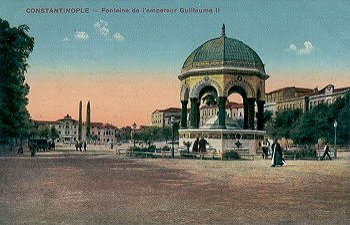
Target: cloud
x: 118, y: 37
x: 81, y: 35
x: 306, y: 50
x: 102, y: 27
x: 66, y: 39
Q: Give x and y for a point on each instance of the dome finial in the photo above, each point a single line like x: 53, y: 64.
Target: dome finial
x: 223, y: 30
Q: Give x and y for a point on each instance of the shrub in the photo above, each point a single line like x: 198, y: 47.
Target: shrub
x: 188, y: 145
x: 302, y: 153
x: 231, y: 155
x: 166, y: 148
x: 152, y: 148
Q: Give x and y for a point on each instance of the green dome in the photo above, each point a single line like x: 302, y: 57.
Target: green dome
x: 223, y: 52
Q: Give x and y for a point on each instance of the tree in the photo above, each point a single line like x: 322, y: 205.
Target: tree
x: 209, y: 100
x: 80, y: 126
x: 88, y: 121
x: 343, y: 128
x: 268, y: 121
x: 318, y: 123
x: 284, y: 123
x: 44, y: 132
x: 341, y: 111
x: 54, y: 133
x: 15, y: 48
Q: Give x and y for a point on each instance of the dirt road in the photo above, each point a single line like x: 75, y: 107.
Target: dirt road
x: 107, y: 189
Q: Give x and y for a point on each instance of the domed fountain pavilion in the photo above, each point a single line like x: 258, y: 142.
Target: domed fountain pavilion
x: 220, y: 67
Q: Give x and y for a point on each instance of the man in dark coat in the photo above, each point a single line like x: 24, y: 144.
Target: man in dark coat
x: 195, y: 145
x: 202, y: 145
x: 265, y: 148
x: 326, y: 152
x: 277, y: 157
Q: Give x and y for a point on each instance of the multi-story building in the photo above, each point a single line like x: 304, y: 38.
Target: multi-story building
x: 301, y: 98
x: 68, y: 130
x: 233, y: 110
x: 162, y: 117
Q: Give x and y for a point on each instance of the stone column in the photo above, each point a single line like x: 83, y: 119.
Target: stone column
x: 184, y: 114
x: 194, y: 113
x: 251, y: 112
x: 222, y: 112
x: 260, y: 125
x: 245, y: 108
x: 198, y: 114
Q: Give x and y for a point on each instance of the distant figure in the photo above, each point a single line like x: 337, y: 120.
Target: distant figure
x: 195, y: 145
x: 326, y: 152
x: 265, y: 148
x: 112, y: 145
x: 76, y: 145
x: 20, y: 150
x: 277, y: 158
x: 202, y: 145
x: 85, y: 146
x: 80, y: 146
x: 53, y: 146
x: 32, y: 148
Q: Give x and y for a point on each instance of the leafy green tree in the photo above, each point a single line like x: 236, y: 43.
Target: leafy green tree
x: 304, y: 131
x: 343, y: 128
x: 44, y: 132
x: 80, y: 126
x: 284, y: 123
x: 209, y: 100
x: 268, y: 121
x: 15, y: 48
x: 54, y: 133
x: 341, y: 111
x: 318, y: 123
x: 88, y: 121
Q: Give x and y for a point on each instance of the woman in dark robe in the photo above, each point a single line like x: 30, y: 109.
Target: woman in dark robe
x: 277, y: 157
x: 195, y: 145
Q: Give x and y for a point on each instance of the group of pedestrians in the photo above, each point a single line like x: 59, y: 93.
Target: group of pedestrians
x: 80, y: 146
x: 277, y: 158
x: 199, y: 145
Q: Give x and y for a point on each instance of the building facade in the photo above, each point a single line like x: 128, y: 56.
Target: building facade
x: 162, y: 117
x: 233, y: 110
x: 67, y: 129
x: 289, y: 98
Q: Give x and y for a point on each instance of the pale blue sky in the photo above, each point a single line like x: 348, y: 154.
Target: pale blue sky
x: 159, y: 43
x: 114, y: 60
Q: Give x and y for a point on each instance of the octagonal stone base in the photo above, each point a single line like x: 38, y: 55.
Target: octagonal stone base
x: 224, y: 139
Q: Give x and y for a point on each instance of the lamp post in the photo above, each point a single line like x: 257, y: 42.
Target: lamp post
x: 133, y: 135
x: 172, y: 143
x: 335, y: 138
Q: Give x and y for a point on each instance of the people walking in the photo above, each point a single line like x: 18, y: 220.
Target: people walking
x: 326, y: 152
x: 202, y: 145
x: 195, y: 145
x: 265, y: 148
x: 85, y: 146
x: 277, y: 157
x: 80, y: 146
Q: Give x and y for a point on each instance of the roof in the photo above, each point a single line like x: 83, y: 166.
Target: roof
x: 223, y: 51
x: 43, y: 122
x: 96, y: 124
x: 229, y: 105
x: 171, y: 109
x: 338, y: 90
x: 297, y: 89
